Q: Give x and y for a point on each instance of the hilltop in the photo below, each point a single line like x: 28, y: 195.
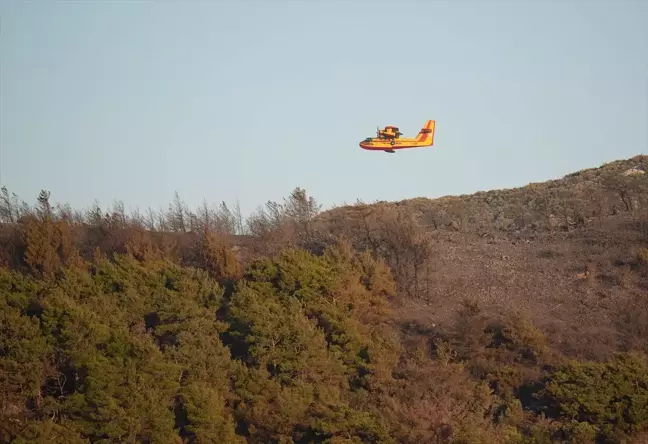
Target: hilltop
x: 562, y: 251
x: 505, y: 316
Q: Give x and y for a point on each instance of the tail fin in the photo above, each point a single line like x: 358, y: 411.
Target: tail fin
x: 427, y: 132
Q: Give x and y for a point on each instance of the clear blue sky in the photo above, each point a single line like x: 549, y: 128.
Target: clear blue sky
x: 250, y: 99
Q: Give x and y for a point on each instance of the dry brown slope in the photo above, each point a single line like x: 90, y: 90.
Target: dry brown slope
x: 563, y: 252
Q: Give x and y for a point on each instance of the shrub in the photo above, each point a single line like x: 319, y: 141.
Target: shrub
x: 611, y: 396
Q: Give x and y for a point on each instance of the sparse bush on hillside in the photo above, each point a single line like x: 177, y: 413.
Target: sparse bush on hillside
x: 215, y: 254
x: 290, y: 224
x: 397, y: 235
x: 642, y: 256
x: 631, y: 318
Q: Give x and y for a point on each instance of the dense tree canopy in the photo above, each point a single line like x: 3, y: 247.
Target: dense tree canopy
x: 299, y: 326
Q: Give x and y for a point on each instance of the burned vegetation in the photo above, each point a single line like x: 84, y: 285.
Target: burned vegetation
x: 508, y: 316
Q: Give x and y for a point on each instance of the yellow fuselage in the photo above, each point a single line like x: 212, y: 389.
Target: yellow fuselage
x: 424, y: 138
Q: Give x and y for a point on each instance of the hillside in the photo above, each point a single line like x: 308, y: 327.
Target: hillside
x: 507, y: 316
x: 563, y: 251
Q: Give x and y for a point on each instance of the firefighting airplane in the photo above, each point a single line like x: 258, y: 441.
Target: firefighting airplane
x: 389, y: 139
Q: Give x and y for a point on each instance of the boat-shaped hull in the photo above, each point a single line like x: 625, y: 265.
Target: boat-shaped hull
x: 383, y: 145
